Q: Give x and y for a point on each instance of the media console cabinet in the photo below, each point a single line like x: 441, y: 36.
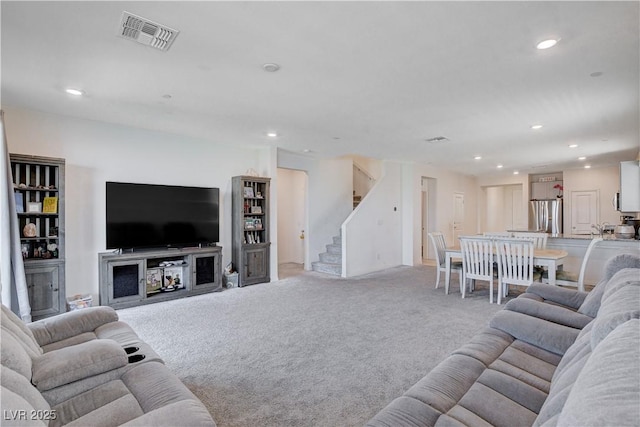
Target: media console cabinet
x: 144, y: 277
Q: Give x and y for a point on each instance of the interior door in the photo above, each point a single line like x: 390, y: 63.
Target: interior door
x: 584, y: 211
x: 458, y: 215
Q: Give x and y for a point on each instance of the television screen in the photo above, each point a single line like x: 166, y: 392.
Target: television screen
x: 147, y: 215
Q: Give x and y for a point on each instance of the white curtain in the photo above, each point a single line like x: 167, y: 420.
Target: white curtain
x: 13, y: 282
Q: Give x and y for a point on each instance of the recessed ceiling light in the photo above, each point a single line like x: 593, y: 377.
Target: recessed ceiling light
x: 546, y: 44
x: 573, y: 145
x: 74, y: 92
x: 536, y: 127
x: 271, y: 67
x: 272, y: 135
x: 582, y: 158
x: 516, y: 172
x: 499, y: 166
x: 587, y: 166
x: 477, y: 158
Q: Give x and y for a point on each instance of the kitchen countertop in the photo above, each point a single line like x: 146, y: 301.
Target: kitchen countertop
x: 610, y: 237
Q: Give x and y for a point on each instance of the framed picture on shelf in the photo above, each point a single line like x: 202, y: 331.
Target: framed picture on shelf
x: 154, y: 280
x: 256, y: 209
x: 34, y: 207
x: 248, y: 191
x: 249, y: 224
x: 50, y: 205
x: 257, y: 224
x: 25, y: 248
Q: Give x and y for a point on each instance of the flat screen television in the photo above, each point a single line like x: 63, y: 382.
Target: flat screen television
x: 152, y: 216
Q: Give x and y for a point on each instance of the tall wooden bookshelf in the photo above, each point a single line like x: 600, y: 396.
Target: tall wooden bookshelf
x: 38, y: 185
x: 250, y: 229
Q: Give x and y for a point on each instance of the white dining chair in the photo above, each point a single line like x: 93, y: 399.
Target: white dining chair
x: 439, y: 247
x: 515, y: 264
x: 539, y: 238
x: 477, y: 262
x: 569, y: 278
x: 497, y: 234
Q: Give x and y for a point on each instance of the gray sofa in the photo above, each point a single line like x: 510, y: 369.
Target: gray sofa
x: 551, y: 357
x: 86, y: 368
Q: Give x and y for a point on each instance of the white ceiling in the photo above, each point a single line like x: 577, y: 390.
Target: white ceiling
x: 367, y: 78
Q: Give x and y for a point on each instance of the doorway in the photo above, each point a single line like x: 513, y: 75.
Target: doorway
x: 292, y: 222
x: 503, y: 208
x: 458, y: 215
x: 584, y: 211
x: 428, y: 203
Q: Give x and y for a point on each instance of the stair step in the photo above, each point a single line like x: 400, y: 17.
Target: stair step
x: 328, y: 268
x: 337, y: 240
x: 331, y: 258
x: 334, y: 249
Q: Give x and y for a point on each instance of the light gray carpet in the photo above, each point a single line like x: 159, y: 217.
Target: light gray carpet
x: 310, y: 350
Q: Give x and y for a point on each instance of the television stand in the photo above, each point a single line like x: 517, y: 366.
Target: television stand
x: 129, y: 279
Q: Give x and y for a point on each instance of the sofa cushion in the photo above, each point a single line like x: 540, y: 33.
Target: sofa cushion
x: 592, y: 302
x: 70, y: 364
x: 607, y: 390
x: 20, y: 331
x: 112, y: 395
x: 550, y: 312
x: 539, y: 332
x: 13, y: 354
x: 71, y: 324
x: 18, y: 384
x: 16, y: 411
x: 184, y: 412
x: 620, y: 302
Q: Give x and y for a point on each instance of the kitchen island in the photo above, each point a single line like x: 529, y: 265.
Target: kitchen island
x: 576, y: 246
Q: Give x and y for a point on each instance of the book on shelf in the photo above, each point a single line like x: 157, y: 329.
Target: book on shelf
x: 50, y: 205
x: 19, y: 202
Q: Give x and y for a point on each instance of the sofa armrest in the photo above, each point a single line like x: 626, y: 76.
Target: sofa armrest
x: 184, y: 412
x: 566, y: 297
x: 71, y: 323
x: 553, y: 313
x: 77, y: 362
x: 539, y: 332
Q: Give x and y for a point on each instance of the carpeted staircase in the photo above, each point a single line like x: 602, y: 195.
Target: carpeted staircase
x: 331, y: 260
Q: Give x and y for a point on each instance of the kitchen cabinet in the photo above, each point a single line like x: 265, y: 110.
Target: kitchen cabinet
x: 630, y: 186
x: 545, y: 190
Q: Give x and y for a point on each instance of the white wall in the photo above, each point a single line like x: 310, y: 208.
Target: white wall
x: 97, y: 152
x: 605, y: 180
x: 292, y: 215
x: 447, y: 183
x: 330, y: 200
x: 372, y: 236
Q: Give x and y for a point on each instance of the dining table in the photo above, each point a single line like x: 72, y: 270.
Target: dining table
x: 550, y: 258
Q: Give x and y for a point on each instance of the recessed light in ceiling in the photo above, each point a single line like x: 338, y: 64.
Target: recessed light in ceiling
x: 74, y: 92
x: 499, y: 166
x: 546, y: 44
x: 516, y: 172
x: 536, y: 127
x: 272, y: 135
x: 587, y: 166
x: 582, y: 158
x: 271, y: 67
x: 477, y: 158
x: 573, y: 145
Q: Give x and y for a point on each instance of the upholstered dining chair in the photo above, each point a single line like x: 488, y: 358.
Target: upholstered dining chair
x: 439, y: 247
x: 477, y: 262
x: 515, y: 264
x: 570, y: 278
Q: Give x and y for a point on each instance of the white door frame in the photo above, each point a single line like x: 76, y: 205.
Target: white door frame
x: 581, y: 224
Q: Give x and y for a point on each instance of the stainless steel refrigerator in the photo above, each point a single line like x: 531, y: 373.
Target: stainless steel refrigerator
x: 546, y: 215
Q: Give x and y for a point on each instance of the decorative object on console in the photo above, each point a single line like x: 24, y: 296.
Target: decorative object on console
x: 50, y: 205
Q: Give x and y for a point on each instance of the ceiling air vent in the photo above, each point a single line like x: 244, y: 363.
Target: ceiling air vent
x: 146, y: 32
x: 436, y: 139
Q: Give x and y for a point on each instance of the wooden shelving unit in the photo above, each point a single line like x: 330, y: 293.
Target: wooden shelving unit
x: 37, y: 180
x: 250, y: 229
